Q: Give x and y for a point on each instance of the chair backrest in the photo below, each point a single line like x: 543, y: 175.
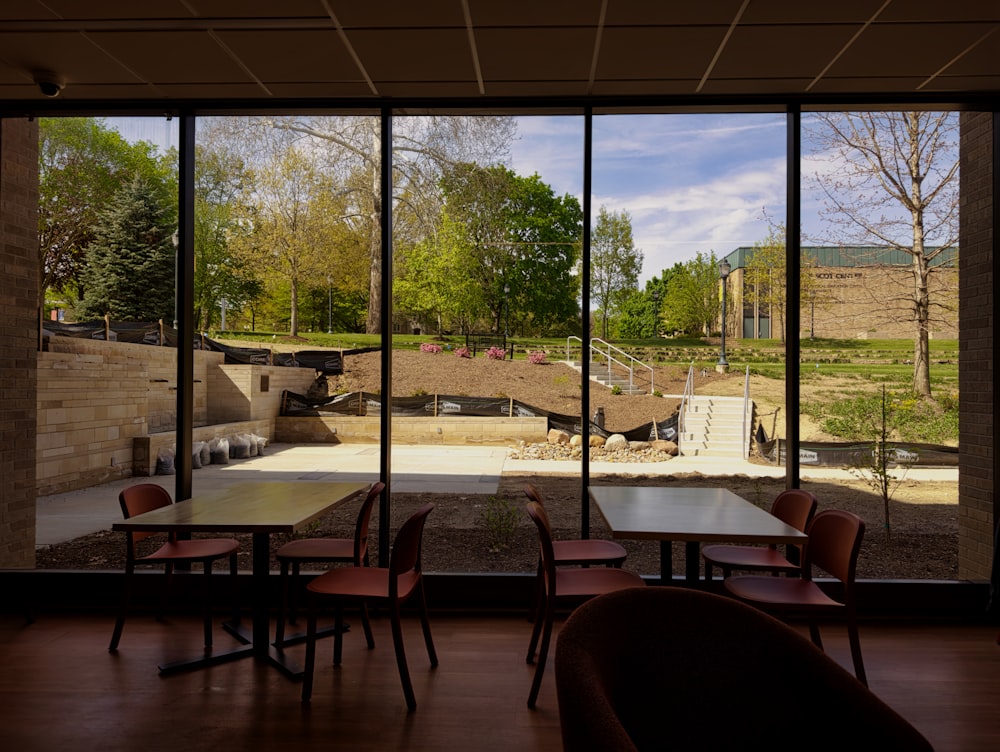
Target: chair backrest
x: 834, y: 542
x: 404, y: 560
x: 794, y: 507
x: 631, y: 675
x: 545, y: 549
x: 532, y: 492
x: 138, y: 499
x: 363, y: 523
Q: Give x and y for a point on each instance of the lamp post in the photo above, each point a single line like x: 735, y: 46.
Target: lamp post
x: 506, y: 319
x: 723, y: 365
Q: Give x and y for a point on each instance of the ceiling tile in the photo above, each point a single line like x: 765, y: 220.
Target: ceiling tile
x: 253, y: 8
x: 781, y: 51
x: 68, y: 54
x: 414, y: 54
x: 936, y: 11
x: 304, y: 56
x: 399, y: 14
x: 172, y: 57
x: 559, y: 54
x: 904, y: 49
x: 659, y: 13
x: 784, y: 12
x: 529, y: 13
x: 114, y: 9
x: 657, y: 53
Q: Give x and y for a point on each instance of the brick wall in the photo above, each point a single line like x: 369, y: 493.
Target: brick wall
x: 18, y: 339
x: 99, y: 403
x: 975, y: 480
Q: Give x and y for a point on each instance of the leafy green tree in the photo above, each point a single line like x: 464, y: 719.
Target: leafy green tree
x: 82, y: 164
x: 615, y: 263
x: 288, y: 230
x: 693, y: 301
x: 220, y: 177
x: 130, y: 262
x: 523, y: 242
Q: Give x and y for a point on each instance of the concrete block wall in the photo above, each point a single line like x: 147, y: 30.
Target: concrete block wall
x: 976, y: 373
x: 446, y: 431
x: 18, y: 339
x: 252, y: 392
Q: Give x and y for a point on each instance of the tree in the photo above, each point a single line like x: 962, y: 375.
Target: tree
x: 130, y: 262
x: 523, y: 241
x: 615, y: 263
x: 289, y: 230
x: 422, y: 147
x: 82, y: 164
x: 894, y: 182
x: 692, y: 302
x: 219, y: 277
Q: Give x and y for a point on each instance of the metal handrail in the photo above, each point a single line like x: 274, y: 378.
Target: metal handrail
x: 686, y: 397
x: 609, y: 358
x: 746, y: 404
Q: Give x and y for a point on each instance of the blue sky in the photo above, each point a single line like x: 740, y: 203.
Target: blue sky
x: 689, y: 182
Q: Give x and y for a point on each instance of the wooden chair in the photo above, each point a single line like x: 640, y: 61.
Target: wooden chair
x: 794, y: 507
x: 144, y: 498
x: 323, y: 550
x: 364, y: 585
x: 564, y: 583
x: 580, y: 551
x: 834, y: 542
x: 677, y: 668
x: 583, y: 552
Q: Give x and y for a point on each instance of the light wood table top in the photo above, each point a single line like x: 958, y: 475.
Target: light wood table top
x: 692, y: 515
x: 249, y: 507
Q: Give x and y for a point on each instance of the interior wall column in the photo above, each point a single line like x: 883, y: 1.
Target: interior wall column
x: 793, y: 265
x: 385, y: 325
x: 184, y: 306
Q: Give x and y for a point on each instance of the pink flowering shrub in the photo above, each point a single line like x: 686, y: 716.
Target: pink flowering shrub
x: 430, y: 347
x: 537, y: 357
x: 496, y: 353
x: 463, y: 352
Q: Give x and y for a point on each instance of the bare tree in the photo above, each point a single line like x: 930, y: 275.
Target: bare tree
x: 894, y: 182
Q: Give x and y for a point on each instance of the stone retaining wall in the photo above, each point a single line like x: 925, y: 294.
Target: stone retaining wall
x: 448, y: 431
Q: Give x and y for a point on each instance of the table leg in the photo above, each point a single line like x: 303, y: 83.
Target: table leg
x: 666, y: 562
x: 692, y: 559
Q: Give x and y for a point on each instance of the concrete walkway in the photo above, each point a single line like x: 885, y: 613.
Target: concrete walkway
x: 427, y: 469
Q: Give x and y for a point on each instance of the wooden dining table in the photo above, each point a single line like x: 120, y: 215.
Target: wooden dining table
x: 259, y: 508
x: 688, y: 514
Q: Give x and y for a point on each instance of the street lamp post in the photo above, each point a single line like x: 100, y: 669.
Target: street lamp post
x: 506, y: 319
x: 723, y: 365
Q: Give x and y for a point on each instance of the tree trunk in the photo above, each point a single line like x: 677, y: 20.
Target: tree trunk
x: 293, y: 323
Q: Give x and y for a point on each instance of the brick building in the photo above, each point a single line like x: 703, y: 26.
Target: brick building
x: 855, y: 292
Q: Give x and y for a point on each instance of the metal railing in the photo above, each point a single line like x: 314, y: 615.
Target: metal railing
x: 686, y: 397
x: 609, y: 359
x: 746, y: 405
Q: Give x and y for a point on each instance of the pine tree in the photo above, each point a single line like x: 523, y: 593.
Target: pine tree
x: 130, y: 272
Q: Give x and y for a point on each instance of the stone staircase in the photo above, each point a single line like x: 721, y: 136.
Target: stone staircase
x: 599, y: 373
x: 716, y: 427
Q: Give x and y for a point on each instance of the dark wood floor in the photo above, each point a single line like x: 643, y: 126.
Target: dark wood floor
x: 61, y: 690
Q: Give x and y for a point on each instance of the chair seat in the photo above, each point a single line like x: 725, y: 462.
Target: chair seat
x: 748, y: 557
x: 361, y: 582
x: 318, y: 549
x: 589, y: 551
x: 780, y: 591
x: 587, y: 582
x: 194, y: 550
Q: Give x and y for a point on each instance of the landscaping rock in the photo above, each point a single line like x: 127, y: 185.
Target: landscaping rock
x: 615, y: 443
x: 557, y: 436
